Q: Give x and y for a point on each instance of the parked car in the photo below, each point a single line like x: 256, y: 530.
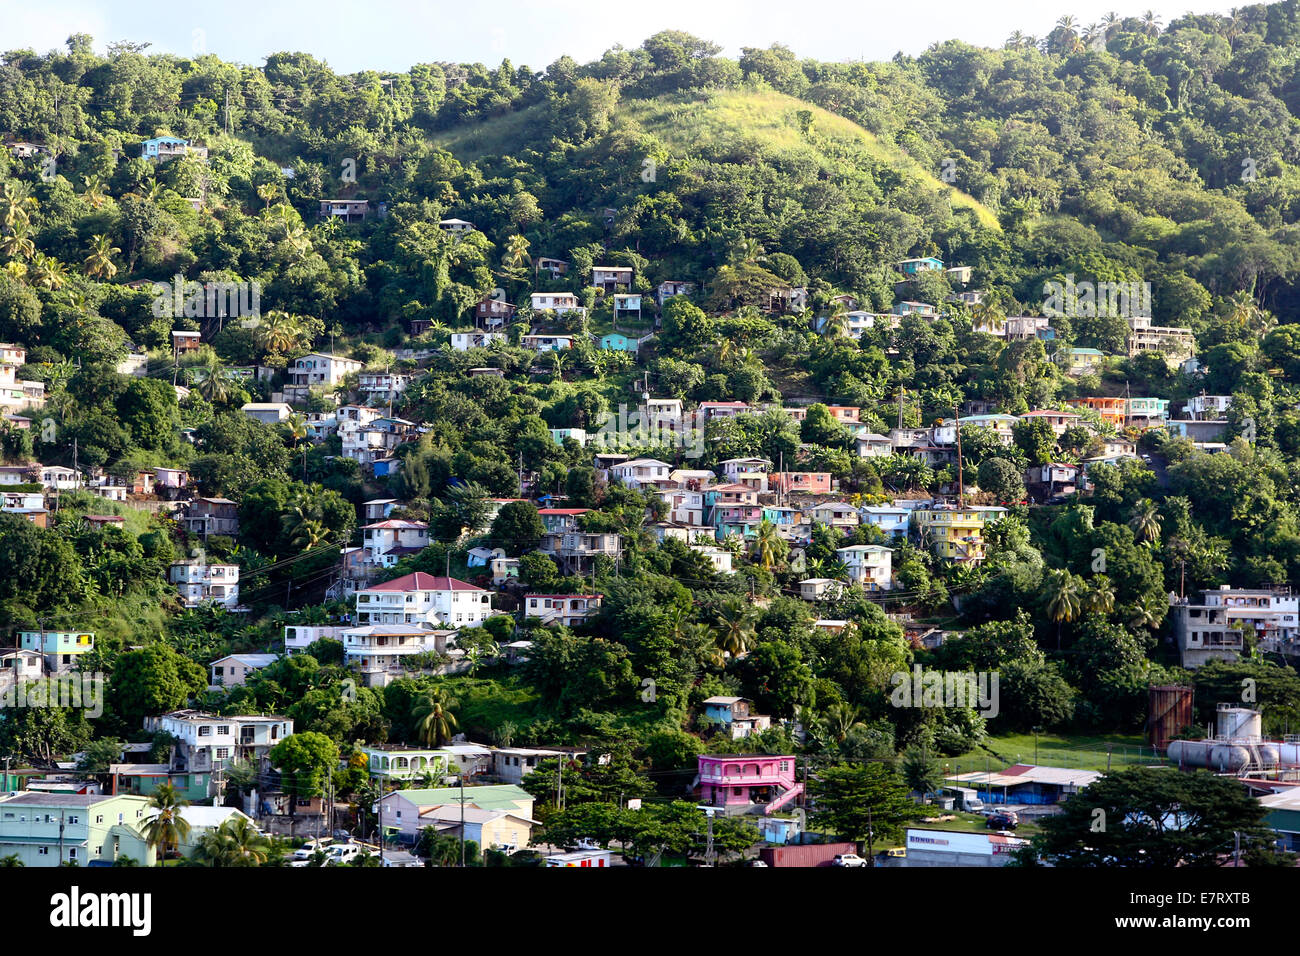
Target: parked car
x: 341, y: 854
x: 848, y: 859
x: 1002, y: 820
x: 306, y: 852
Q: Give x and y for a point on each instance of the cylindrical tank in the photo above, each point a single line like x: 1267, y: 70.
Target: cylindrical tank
x: 1266, y: 755
x: 1229, y: 758
x: 1238, y: 722
x: 1288, y: 754
x: 1190, y: 753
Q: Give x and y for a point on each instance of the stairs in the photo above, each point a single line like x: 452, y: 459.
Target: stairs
x: 783, y: 799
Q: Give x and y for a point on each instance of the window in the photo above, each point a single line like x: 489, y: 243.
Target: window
x: 73, y: 821
x: 99, y: 818
x: 223, y: 731
x: 72, y: 853
x: 205, y: 731
x: 43, y: 851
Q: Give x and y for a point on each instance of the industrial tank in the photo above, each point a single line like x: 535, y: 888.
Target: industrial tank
x: 1237, y: 723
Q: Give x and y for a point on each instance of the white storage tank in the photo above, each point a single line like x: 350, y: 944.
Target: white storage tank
x: 1236, y: 723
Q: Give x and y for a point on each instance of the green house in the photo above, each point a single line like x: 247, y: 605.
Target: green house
x: 46, y: 829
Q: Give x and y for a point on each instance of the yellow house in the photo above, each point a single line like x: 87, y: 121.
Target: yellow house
x: 955, y: 534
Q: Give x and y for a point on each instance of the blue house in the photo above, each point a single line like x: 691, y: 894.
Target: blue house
x: 911, y: 267
x: 618, y: 342
x: 169, y: 147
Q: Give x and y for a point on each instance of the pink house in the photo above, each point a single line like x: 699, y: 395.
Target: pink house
x: 812, y: 482
x: 731, y: 780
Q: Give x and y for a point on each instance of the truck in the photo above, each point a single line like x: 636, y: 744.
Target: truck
x: 806, y: 854
x: 964, y: 798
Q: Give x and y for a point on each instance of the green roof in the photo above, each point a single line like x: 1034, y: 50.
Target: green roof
x: 496, y: 797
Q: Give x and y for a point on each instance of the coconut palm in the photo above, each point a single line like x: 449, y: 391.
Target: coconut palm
x: 767, y: 545
x: 836, y: 324
x: 1101, y: 597
x: 1145, y: 521
x: 734, y: 627
x: 94, y: 194
x: 16, y: 204
x: 99, y: 263
x: 297, y: 426
x: 268, y: 191
x: 165, y: 830
x: 434, y: 721
x: 1064, y: 599
x: 279, y: 331
x: 1151, y: 24
x: 213, y: 386
x: 235, y: 843
x: 17, y: 244
x: 48, y: 273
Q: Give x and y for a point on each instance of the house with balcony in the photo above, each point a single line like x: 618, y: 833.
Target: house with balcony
x: 26, y: 504
x: 464, y: 341
x: 789, y: 522
x: 641, y: 472
x: 424, y: 599
x: 1059, y: 420
x: 671, y: 287
x: 1144, y: 413
x: 835, y: 514
x: 685, y: 506
x: 567, y: 610
x: 560, y: 520
x: 611, y: 278
x: 747, y: 783
x: 954, y: 533
x: 1270, y: 614
x: 735, y: 716
x: 732, y: 509
x: 390, y: 762
x: 59, y: 650
x: 1203, y: 631
x: 349, y: 211
x: 914, y: 267
x: 784, y: 299
x: 59, y: 478
x: 1207, y: 407
x: 1112, y: 410
x: 820, y: 589
x: 872, y: 445
x: 574, y: 551
x: 321, y: 369
x: 547, y: 342
x: 209, y: 516
x: 384, y: 543
x: 889, y: 519
x: 380, y: 652
x: 199, y: 583
x: 162, y: 148
x: 557, y: 302
x: 383, y: 386
x: 493, y: 313
x: 869, y: 565
x: 207, y: 743
x: 556, y: 267
x: 712, y: 410
x: 1175, y: 343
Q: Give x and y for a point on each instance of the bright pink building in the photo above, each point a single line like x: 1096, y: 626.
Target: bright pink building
x: 733, y: 780
x: 811, y: 482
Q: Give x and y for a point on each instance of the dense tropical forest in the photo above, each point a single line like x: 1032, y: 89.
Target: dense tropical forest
x: 1123, y: 152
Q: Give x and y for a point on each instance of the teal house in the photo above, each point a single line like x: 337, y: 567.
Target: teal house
x: 618, y: 342
x: 85, y: 829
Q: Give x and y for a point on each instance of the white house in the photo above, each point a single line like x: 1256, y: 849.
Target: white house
x: 299, y: 637
x: 557, y: 302
x: 233, y: 669
x: 384, y: 543
x: 198, y: 583
x: 564, y: 609
x: 869, y: 565
x: 421, y: 598
x: 322, y: 368
x: 720, y: 558
x: 641, y: 471
x: 268, y: 413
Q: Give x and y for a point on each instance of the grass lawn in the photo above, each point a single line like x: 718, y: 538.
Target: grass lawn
x: 1082, y: 752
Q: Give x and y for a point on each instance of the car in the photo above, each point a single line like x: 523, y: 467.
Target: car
x: 307, y: 851
x: 587, y: 843
x: 757, y: 863
x: 1002, y: 820
x: 898, y: 851
x: 341, y: 854
x: 848, y: 859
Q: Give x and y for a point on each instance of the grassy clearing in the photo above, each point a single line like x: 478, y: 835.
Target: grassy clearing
x: 1081, y: 752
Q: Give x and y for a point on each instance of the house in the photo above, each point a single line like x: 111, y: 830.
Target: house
x: 1060, y: 477
x: 163, y: 148
x: 455, y: 225
x: 393, y: 762
x: 720, y: 558
x: 557, y: 302
x: 872, y: 445
x: 890, y: 520
x: 19, y: 666
x: 321, y: 369
x: 268, y: 413
x: 869, y: 565
x: 734, y: 715
x: 382, y: 386
x: 909, y: 307
x: 59, y: 478
x: 556, y: 267
x: 1144, y: 413
x: 464, y: 341
x: 208, y: 516
x: 495, y: 815
x: 956, y: 848
x: 712, y: 410
x: 384, y: 543
x: 640, y: 472
x: 1000, y: 425
x: 751, y: 472
x: 299, y: 637
x: 671, y: 287
x: 597, y: 859
x: 28, y: 504
x: 546, y: 342
x: 836, y: 514
x: 201, y: 820
x: 233, y: 669
x: 348, y: 210
x: 1111, y: 410
x: 511, y: 765
x: 747, y: 781
x: 199, y: 583
x: 1081, y: 361
x: 732, y: 509
x: 1060, y: 421
x: 955, y: 533
x: 960, y: 274
x: 378, y: 651
x: 1271, y: 614
x: 1203, y: 630
x: 610, y: 278
x: 58, y: 649
x: 787, y: 299
x: 806, y: 482
x: 1021, y: 327
x: 1176, y: 344
x: 1207, y: 407
x: 53, y: 829
x: 559, y: 520
x: 1027, y: 784
x: 184, y: 341
x: 575, y: 551
x: 914, y: 267
x: 820, y: 589
x: 627, y: 306
x: 22, y: 150
x: 1199, y: 430
x: 493, y: 313
x: 421, y: 598
x: 206, y: 744
x: 617, y: 342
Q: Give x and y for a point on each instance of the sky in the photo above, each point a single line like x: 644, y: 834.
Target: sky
x: 391, y: 36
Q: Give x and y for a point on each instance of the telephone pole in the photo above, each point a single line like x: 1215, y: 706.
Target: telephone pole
x: 961, y: 486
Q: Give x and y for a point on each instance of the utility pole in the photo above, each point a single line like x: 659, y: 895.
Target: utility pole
x: 462, y: 817
x: 708, y: 848
x: 961, y: 487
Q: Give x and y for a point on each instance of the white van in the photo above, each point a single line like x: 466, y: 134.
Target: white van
x: 341, y: 854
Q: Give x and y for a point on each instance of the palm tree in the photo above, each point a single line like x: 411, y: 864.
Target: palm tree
x: 767, y: 545
x: 1101, y: 598
x: 839, y: 719
x: 836, y: 324
x: 1145, y: 521
x: 167, y: 827
x: 297, y: 426
x: 48, y: 273
x: 1151, y: 24
x: 11, y: 862
x: 434, y: 721
x: 734, y: 629
x: 94, y: 194
x: 213, y: 386
x: 99, y: 264
x: 16, y: 200
x: 16, y: 243
x: 279, y: 331
x: 1064, y: 601
x: 516, y: 258
x: 235, y: 843
x: 268, y: 191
